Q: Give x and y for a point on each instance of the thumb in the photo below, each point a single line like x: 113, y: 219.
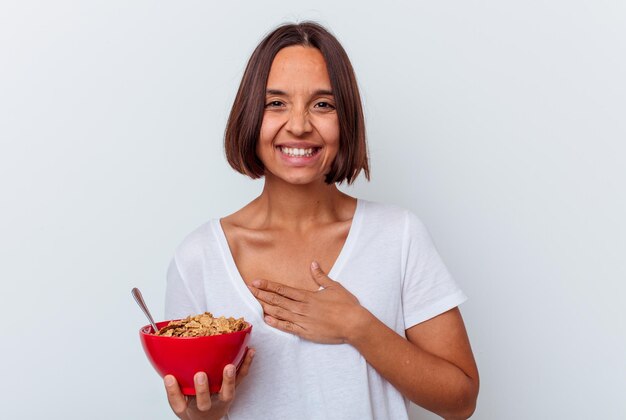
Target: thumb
x: 319, y: 276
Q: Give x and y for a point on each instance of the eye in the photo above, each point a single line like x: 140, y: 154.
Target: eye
x: 273, y: 104
x: 324, y: 105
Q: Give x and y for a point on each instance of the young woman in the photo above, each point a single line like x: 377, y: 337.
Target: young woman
x: 354, y: 312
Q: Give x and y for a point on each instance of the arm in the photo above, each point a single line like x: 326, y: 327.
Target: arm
x: 434, y: 367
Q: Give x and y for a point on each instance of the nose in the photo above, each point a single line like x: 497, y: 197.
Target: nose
x: 299, y: 123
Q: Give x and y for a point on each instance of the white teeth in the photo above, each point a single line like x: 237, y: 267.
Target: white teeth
x: 295, y: 152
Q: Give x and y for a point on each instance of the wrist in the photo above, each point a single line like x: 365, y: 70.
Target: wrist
x: 357, y: 324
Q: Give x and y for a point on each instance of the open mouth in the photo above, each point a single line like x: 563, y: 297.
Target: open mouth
x: 299, y: 152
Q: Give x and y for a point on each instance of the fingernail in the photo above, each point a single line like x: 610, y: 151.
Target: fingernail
x: 201, y: 378
x: 256, y: 283
x: 169, y: 380
x: 230, y: 371
x: 267, y: 319
x: 315, y: 265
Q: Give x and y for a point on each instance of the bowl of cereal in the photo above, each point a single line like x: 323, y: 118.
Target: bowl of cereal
x: 199, y: 343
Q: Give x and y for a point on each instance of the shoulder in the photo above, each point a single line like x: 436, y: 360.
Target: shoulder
x: 197, y: 242
x: 394, y: 224
x: 388, y: 215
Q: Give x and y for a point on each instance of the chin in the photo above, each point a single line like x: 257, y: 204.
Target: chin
x: 301, y: 179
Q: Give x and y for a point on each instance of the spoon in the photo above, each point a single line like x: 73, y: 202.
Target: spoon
x: 139, y: 299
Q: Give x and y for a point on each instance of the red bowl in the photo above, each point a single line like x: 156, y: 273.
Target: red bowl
x: 183, y: 357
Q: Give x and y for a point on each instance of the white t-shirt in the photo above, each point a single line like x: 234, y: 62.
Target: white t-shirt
x: 388, y: 262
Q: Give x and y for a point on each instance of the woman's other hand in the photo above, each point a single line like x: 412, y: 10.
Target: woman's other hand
x: 324, y: 316
x: 204, y: 405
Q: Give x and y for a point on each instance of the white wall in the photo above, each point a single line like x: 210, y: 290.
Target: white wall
x: 500, y: 123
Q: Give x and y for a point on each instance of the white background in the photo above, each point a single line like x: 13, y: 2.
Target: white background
x: 502, y: 124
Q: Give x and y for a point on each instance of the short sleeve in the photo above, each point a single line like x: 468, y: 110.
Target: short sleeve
x: 179, y: 301
x: 428, y: 289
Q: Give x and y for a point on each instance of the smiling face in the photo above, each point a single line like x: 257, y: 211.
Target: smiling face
x: 299, y: 136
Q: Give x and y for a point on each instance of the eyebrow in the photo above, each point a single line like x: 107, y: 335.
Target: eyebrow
x: 283, y: 93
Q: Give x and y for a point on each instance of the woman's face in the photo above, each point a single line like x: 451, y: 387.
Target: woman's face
x: 300, y: 131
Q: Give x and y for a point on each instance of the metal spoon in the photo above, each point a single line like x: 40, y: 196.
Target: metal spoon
x: 139, y: 299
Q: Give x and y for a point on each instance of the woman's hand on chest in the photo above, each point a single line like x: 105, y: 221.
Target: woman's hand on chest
x: 329, y: 315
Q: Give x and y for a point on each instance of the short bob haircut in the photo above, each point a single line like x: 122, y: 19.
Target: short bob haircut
x: 246, y: 116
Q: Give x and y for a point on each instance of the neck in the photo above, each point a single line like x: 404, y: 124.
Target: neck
x: 285, y: 205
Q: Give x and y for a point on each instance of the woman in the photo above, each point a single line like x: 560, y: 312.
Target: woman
x: 354, y: 313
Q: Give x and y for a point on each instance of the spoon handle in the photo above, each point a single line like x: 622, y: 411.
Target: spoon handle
x: 139, y: 299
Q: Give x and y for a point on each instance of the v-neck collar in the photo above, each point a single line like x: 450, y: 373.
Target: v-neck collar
x: 240, y: 284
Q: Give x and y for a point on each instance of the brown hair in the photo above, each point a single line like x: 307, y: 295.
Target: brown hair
x: 244, y: 123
